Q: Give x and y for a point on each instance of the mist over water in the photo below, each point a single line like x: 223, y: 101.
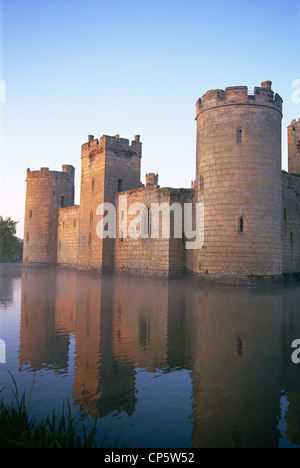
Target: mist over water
x: 163, y: 363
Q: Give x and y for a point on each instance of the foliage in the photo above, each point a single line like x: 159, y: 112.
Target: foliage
x: 18, y: 430
x: 11, y: 249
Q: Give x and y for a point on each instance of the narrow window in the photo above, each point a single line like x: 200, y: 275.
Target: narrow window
x: 62, y: 202
x: 241, y: 224
x: 239, y: 346
x: 93, y: 184
x: 74, y: 223
x: 120, y: 185
x: 30, y: 214
x: 284, y: 213
x: 91, y: 217
x: 90, y: 238
x: 201, y: 183
x: 27, y: 237
x: 240, y: 135
x: 291, y: 237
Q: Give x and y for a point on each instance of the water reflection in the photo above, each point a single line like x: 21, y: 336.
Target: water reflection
x: 40, y: 343
x: 8, y: 273
x: 233, y: 343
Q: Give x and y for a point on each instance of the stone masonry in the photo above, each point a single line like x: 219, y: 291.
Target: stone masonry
x: 239, y: 181
x: 47, y: 191
x: 251, y: 206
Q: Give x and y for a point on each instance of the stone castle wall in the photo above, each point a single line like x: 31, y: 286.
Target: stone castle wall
x: 239, y: 181
x: 109, y: 165
x: 294, y: 147
x: 68, y: 235
x: 160, y: 254
x: 46, y: 192
x: 150, y: 256
x: 251, y: 208
x: 291, y: 223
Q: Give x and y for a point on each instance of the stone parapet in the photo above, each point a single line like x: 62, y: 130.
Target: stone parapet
x: 239, y: 181
x: 112, y: 143
x: 67, y: 173
x: 294, y: 146
x: 262, y: 96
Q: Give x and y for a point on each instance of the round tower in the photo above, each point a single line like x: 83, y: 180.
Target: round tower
x: 238, y: 178
x: 46, y: 192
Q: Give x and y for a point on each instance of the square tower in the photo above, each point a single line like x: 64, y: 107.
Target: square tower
x: 294, y: 147
x: 109, y: 165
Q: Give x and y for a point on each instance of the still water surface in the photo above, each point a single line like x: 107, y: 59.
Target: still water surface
x: 157, y: 363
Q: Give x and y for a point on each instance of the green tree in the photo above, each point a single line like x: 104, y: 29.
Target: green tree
x: 10, y: 248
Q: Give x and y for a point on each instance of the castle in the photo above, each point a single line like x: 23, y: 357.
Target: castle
x: 251, y: 222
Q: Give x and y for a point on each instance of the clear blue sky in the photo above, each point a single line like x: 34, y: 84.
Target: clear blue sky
x: 73, y: 68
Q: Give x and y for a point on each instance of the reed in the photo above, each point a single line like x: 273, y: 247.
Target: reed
x: 19, y: 430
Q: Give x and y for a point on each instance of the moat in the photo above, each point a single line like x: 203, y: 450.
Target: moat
x: 158, y: 363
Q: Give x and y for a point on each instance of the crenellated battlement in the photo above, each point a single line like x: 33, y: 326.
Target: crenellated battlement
x: 294, y: 136
x: 250, y: 226
x: 294, y: 146
x: 119, y: 146
x: 262, y: 96
x: 295, y: 126
x: 67, y: 173
x: 151, y: 179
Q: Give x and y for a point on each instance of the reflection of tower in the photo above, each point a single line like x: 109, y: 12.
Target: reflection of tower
x: 236, y: 367
x: 84, y: 308
x: 40, y: 344
x: 239, y: 181
x: 88, y: 293
x: 46, y: 192
x: 117, y: 376
x: 235, y: 343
